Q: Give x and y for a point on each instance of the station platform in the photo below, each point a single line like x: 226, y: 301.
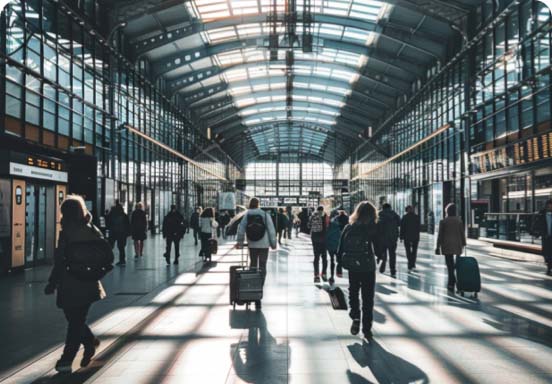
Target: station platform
x: 173, y: 324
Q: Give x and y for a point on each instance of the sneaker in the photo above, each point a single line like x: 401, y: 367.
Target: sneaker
x: 168, y: 260
x: 331, y: 281
x: 175, y: 262
x: 355, y: 327
x: 317, y: 279
x: 393, y: 274
x: 63, y: 366
x: 368, y: 335
x: 89, y: 353
x: 324, y: 277
x: 121, y: 263
x: 382, y: 268
x: 136, y: 256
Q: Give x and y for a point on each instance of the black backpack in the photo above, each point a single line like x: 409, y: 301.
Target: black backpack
x: 89, y: 260
x: 357, y: 252
x: 256, y: 227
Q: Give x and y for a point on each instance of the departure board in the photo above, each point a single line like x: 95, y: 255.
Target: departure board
x: 524, y: 152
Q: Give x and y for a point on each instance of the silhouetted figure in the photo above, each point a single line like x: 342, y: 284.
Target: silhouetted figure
x: 194, y: 223
x: 543, y: 229
x: 138, y: 229
x: 75, y: 295
x: 388, y: 223
x: 207, y: 230
x: 282, y: 224
x: 173, y: 231
x: 332, y: 244
x: 318, y: 226
x: 118, y: 226
x: 410, y: 234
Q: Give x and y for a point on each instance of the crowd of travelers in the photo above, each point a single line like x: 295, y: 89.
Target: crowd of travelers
x: 357, y: 243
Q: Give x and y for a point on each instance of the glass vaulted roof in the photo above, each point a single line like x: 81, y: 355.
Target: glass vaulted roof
x: 322, y: 81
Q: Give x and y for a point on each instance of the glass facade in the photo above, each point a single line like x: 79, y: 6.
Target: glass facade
x: 479, y: 127
x: 65, y: 88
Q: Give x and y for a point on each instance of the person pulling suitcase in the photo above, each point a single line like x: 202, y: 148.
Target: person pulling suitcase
x: 258, y: 227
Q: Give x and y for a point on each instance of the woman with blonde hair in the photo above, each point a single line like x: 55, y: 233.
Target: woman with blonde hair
x: 357, y: 250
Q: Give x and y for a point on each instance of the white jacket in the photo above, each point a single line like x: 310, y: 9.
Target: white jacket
x: 269, y: 238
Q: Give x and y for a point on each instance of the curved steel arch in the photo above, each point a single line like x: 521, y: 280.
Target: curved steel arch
x: 165, y: 65
x: 189, y: 80
x: 426, y: 46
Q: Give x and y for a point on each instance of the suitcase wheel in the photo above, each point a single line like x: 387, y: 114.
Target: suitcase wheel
x: 234, y: 306
x: 475, y: 295
x: 247, y: 306
x: 462, y: 293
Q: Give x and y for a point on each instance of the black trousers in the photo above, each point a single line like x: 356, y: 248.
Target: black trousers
x: 205, y: 245
x: 319, y: 253
x: 391, y: 251
x: 169, y: 243
x: 280, y: 234
x: 333, y: 255
x: 196, y: 235
x: 547, y: 250
x: 411, y: 247
x: 258, y: 258
x: 121, y: 241
x: 363, y: 283
x: 451, y: 263
x: 77, y: 332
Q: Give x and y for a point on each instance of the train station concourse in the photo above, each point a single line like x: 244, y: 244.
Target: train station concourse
x: 275, y: 191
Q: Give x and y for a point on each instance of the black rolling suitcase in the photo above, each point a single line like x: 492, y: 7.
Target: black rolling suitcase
x: 246, y: 284
x: 468, y: 278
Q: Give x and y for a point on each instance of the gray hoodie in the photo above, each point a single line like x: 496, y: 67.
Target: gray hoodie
x: 269, y: 238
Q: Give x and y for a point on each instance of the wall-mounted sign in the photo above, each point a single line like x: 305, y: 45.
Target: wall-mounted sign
x: 34, y: 172
x: 18, y: 224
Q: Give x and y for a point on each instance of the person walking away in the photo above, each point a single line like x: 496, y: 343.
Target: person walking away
x: 224, y: 220
x: 258, y: 227
x: 342, y: 219
x: 207, y: 228
x: 282, y: 225
x: 138, y: 229
x: 194, y: 223
x: 388, y: 225
x: 290, y: 223
x: 332, y: 244
x: 318, y: 226
x: 118, y: 226
x: 410, y: 235
x: 543, y: 228
x: 451, y: 241
x: 357, y: 248
x: 173, y: 231
x: 75, y: 295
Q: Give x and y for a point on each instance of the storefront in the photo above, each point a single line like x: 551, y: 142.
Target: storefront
x: 32, y: 189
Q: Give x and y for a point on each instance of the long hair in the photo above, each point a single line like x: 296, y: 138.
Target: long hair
x: 74, y: 212
x: 208, y: 212
x: 254, y: 203
x: 365, y: 213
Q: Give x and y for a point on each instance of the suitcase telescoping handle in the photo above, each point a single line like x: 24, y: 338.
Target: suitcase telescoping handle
x: 244, y: 249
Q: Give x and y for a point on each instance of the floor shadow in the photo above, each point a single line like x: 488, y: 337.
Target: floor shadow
x: 258, y: 358
x: 355, y: 378
x: 384, y: 290
x: 205, y: 267
x: 379, y: 317
x: 386, y: 367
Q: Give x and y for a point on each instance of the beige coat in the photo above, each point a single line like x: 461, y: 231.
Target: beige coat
x: 452, y: 238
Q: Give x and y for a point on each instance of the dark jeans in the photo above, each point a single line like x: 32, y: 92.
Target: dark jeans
x: 547, y: 250
x: 450, y: 260
x: 339, y: 268
x: 363, y: 283
x: 333, y: 255
x: 77, y: 332
x: 319, y: 252
x: 280, y: 234
x: 196, y: 235
x: 391, y: 250
x: 121, y: 241
x: 258, y: 257
x: 411, y: 248
x: 170, y: 241
x: 205, y: 245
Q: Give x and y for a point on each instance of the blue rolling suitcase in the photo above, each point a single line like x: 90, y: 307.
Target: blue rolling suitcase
x: 468, y: 278
x: 246, y: 284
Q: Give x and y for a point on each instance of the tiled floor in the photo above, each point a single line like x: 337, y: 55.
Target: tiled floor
x: 177, y: 327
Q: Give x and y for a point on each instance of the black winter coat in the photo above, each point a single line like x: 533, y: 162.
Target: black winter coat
x: 138, y: 225
x: 410, y: 227
x: 388, y: 228
x: 173, y: 225
x: 72, y: 292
